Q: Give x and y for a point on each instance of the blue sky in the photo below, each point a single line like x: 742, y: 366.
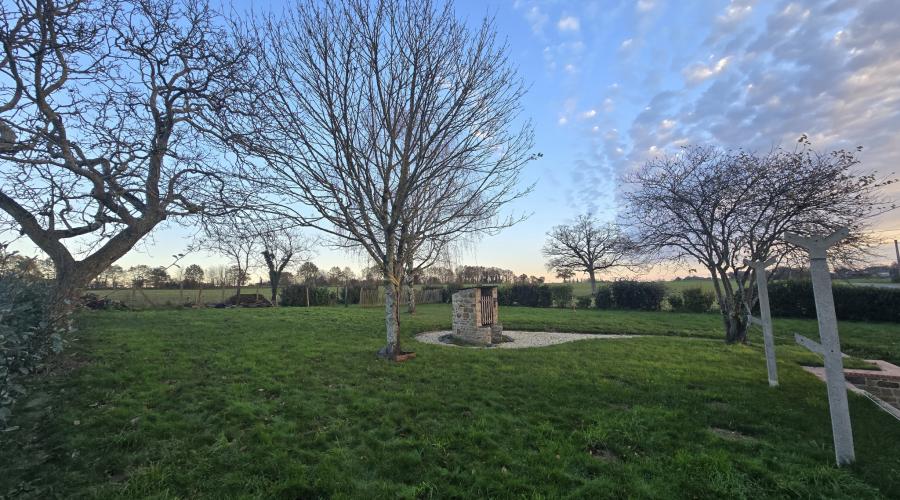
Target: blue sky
x: 613, y: 83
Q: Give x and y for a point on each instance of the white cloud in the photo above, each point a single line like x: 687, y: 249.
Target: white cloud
x: 589, y: 113
x: 536, y: 18
x: 736, y: 12
x: 568, y: 23
x: 698, y: 72
x: 609, y: 105
x: 645, y: 5
x: 562, y: 120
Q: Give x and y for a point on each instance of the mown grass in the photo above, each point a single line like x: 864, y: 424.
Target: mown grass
x: 291, y: 403
x: 861, y: 339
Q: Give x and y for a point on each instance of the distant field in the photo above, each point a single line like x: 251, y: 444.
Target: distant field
x: 584, y: 288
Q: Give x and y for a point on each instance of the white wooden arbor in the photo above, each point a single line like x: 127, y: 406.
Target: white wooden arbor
x: 830, y: 346
x: 765, y: 319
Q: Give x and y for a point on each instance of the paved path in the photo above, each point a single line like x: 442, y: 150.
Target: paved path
x: 522, y: 340
x: 885, y: 370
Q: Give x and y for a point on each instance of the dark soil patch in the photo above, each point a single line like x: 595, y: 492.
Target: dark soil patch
x: 730, y: 435
x: 602, y: 453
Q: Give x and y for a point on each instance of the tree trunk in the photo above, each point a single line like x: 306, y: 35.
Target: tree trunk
x: 391, y: 350
x: 736, y: 328
x: 307, y: 294
x: 62, y: 300
x: 410, y: 294
x: 71, y: 277
x: 593, y: 283
x: 273, y: 282
x: 733, y: 319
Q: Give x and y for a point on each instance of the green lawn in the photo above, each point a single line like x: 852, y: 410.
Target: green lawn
x: 291, y: 403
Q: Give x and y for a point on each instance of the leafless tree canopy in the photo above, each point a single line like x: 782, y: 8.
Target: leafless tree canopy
x: 235, y: 237
x: 391, y: 120
x: 722, y: 207
x: 588, y: 246
x: 103, y: 108
x: 281, y: 245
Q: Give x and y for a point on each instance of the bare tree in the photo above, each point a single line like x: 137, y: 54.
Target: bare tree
x: 216, y: 275
x: 722, y: 207
x: 103, y: 125
x: 589, y: 246
x: 236, y: 238
x: 281, y: 246
x: 565, y: 274
x: 383, y: 114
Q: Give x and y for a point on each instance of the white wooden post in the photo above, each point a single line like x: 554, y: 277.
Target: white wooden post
x: 765, y: 314
x: 830, y: 347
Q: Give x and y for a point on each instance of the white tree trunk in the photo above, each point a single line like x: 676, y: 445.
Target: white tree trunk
x: 391, y: 320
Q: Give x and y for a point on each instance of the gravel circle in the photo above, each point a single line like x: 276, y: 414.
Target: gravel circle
x: 523, y: 340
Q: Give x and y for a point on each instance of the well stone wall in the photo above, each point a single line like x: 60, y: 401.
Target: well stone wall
x: 467, y: 325
x: 886, y: 388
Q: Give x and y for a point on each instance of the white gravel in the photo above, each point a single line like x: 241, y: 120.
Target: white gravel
x: 522, y: 340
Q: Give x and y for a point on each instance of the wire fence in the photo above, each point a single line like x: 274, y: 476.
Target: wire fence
x: 374, y: 297
x: 148, y: 298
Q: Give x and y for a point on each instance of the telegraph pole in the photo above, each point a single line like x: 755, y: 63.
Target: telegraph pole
x: 897, y: 250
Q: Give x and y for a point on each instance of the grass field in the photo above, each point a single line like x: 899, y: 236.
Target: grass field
x: 291, y: 403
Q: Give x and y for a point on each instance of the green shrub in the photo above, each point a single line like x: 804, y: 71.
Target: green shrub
x: 562, y: 295
x: 697, y: 300
x: 643, y: 295
x: 583, y: 302
x: 22, y: 342
x: 353, y: 294
x: 528, y: 295
x: 603, y: 299
x: 504, y: 296
x: 676, y: 302
x: 449, y: 290
x: 295, y: 296
x: 851, y: 303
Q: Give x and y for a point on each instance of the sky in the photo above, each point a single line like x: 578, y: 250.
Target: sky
x: 614, y: 83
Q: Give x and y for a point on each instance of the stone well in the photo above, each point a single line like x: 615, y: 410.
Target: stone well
x: 476, y: 316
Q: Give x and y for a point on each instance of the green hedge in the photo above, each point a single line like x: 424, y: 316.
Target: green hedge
x: 603, y: 299
x: 562, y: 295
x: 696, y: 300
x: 629, y: 294
x: 295, y: 296
x: 853, y: 303
x: 527, y: 295
x: 23, y: 344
